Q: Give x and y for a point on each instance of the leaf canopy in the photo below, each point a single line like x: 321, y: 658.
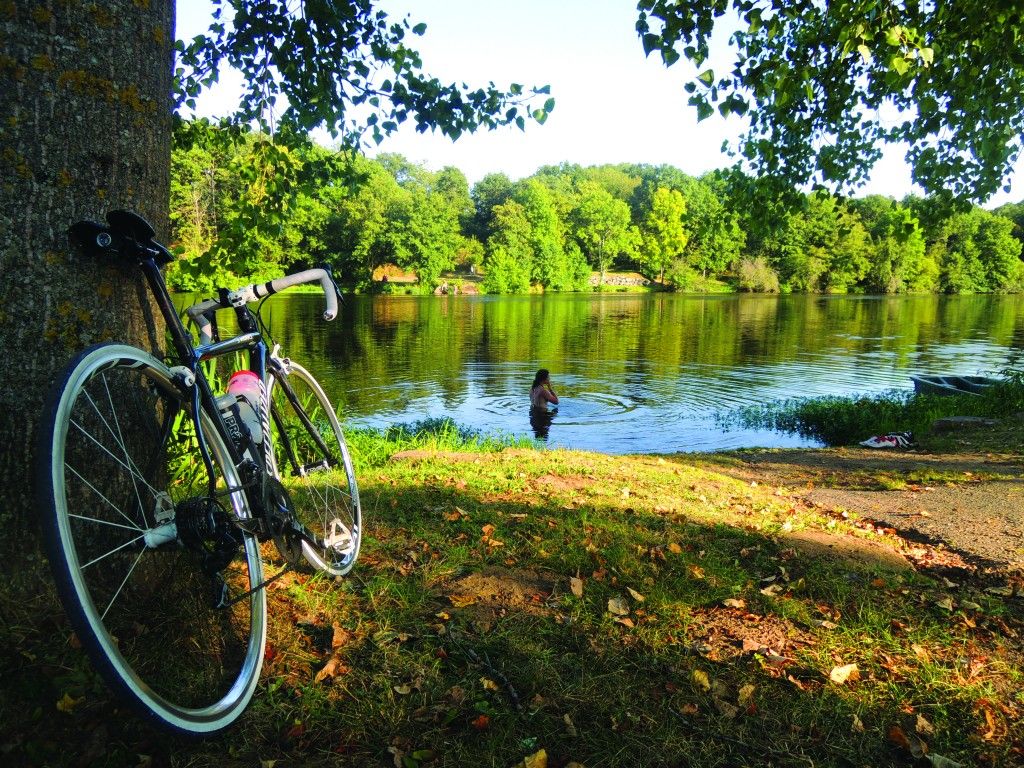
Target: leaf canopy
x: 826, y: 85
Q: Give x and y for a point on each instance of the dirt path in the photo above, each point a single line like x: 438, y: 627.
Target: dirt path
x: 969, y: 503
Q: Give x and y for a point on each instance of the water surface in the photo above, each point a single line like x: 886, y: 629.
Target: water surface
x: 637, y: 373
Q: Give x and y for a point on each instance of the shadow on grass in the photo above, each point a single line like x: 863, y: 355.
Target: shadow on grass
x: 646, y: 665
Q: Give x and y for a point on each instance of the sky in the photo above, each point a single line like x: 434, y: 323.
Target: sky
x: 613, y: 105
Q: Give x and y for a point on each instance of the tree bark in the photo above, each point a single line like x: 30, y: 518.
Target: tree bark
x: 85, y: 127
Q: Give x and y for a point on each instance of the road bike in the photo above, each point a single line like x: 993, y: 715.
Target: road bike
x: 160, y: 495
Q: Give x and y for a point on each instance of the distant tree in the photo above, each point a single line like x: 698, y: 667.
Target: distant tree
x: 715, y: 237
x: 976, y: 252
x: 509, y: 259
x: 603, y: 228
x: 897, y: 262
x: 664, y: 234
x: 825, y: 84
x: 491, y: 191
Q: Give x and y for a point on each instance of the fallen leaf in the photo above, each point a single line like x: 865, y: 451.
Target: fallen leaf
x: 746, y: 695
x: 481, y: 723
x: 268, y: 763
x: 402, y: 690
x: 635, y: 595
x: 920, y: 651
x: 442, y: 616
x: 825, y: 624
x: 461, y: 601
x: 856, y: 726
x: 912, y: 744
x: 970, y: 606
x: 489, y: 685
x: 945, y: 604
x: 847, y: 672
x: 341, y: 636
x: 700, y: 679
x: 331, y: 670
x: 618, y: 606
x: 625, y: 621
x: 675, y: 549
x: 732, y: 602
x: 538, y: 759
x: 772, y: 589
x: 688, y: 709
x: 726, y: 709
x: 1006, y: 591
x: 67, y: 703
x: 576, y: 585
x: 923, y: 726
x: 695, y: 571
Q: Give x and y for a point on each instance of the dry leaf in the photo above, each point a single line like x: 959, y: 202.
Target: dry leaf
x: 576, y: 585
x: 688, y: 709
x: 675, y: 549
x: 726, y: 709
x: 625, y: 621
x: 746, y: 695
x: 481, y: 723
x: 912, y: 744
x: 700, y: 679
x: 402, y: 690
x: 618, y: 606
x: 847, y: 672
x: 341, y: 636
x: 945, y: 603
x: 538, y: 759
x: 695, y: 571
x: 923, y: 726
x: 461, y: 601
x: 732, y: 602
x: 943, y: 762
x: 1006, y: 591
x: 856, y: 726
x: 331, y: 669
x: 772, y: 589
x: 66, y: 703
x: 488, y: 684
x: 920, y: 651
x: 970, y: 606
x: 635, y: 595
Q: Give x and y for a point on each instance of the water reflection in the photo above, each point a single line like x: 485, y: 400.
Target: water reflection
x: 540, y: 421
x: 637, y: 373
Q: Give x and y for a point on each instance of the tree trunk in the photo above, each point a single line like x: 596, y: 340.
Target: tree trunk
x: 84, y: 128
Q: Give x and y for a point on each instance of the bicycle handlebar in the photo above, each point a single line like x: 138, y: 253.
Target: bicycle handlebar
x: 202, y: 313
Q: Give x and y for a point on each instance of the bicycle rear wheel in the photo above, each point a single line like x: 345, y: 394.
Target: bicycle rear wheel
x: 311, y: 459
x: 123, y: 484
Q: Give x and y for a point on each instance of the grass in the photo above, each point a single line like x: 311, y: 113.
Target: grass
x: 848, y: 420
x: 462, y: 638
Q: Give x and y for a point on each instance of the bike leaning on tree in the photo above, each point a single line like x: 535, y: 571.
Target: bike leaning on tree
x: 159, y: 493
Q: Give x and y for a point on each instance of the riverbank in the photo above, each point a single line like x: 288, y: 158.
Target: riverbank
x: 710, y: 609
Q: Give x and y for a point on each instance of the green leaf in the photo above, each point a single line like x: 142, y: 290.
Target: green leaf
x: 419, y: 29
x: 894, y: 36
x: 865, y: 53
x: 707, y: 77
x: 549, y: 105
x: 927, y: 56
x: 704, y: 111
x: 899, y: 65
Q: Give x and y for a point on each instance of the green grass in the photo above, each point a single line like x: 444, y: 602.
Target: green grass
x: 848, y: 420
x: 463, y: 642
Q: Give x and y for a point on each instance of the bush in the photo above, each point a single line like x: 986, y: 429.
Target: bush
x: 757, y: 276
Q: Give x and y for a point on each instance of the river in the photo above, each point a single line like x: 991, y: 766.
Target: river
x: 636, y: 373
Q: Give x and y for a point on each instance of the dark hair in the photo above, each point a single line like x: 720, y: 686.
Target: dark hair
x: 542, y: 375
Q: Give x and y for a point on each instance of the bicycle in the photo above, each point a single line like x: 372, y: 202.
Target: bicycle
x: 158, y: 494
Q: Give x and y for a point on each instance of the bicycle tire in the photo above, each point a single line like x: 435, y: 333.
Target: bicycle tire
x: 142, y: 605
x: 322, y: 487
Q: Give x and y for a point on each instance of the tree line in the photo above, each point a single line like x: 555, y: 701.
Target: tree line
x: 246, y: 206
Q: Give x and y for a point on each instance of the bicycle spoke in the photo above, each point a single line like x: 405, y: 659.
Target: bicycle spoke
x: 120, y: 463
x: 104, y: 522
x: 100, y: 494
x: 120, y: 438
x: 108, y: 554
x: 121, y: 585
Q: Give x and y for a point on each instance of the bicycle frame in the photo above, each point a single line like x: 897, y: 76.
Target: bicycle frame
x: 203, y: 397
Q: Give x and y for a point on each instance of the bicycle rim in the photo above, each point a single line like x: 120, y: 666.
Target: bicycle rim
x: 119, y: 461
x: 311, y: 459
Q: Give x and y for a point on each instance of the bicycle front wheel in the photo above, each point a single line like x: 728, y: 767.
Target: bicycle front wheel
x: 150, y: 553
x: 311, y: 459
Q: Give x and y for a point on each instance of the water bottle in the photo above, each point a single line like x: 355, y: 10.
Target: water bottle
x: 240, y: 408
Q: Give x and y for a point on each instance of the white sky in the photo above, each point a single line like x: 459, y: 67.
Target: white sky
x: 613, y: 105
